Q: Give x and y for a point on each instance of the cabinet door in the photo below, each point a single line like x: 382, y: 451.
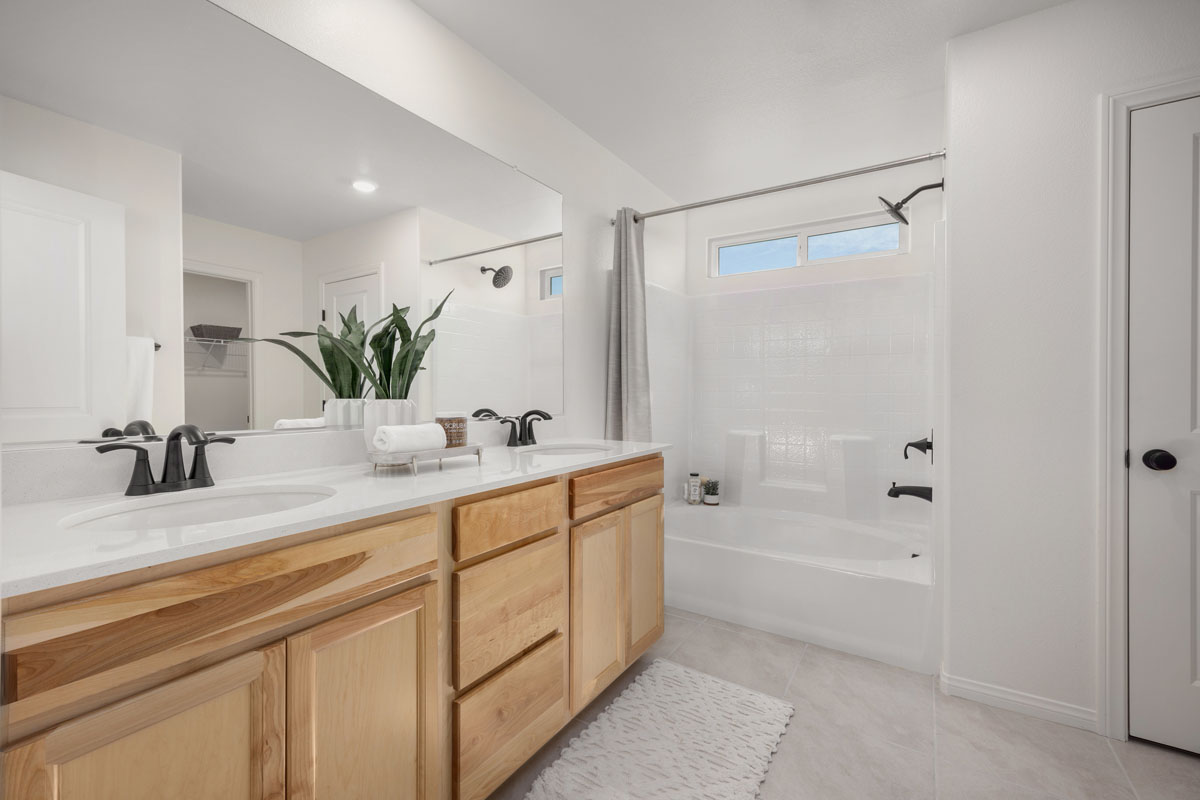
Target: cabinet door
x: 217, y: 734
x: 643, y: 576
x: 362, y: 703
x: 597, y: 614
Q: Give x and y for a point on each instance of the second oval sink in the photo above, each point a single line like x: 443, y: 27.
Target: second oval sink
x: 196, y: 507
x: 566, y: 449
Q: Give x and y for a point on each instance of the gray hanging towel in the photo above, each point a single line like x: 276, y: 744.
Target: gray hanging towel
x: 628, y: 401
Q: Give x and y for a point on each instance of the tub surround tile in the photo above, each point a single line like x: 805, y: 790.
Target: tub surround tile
x: 869, y: 697
x: 1033, y: 753
x: 1158, y: 772
x: 751, y: 661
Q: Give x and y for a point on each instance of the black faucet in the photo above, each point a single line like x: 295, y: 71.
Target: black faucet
x: 527, y: 420
x: 923, y: 492
x: 173, y: 477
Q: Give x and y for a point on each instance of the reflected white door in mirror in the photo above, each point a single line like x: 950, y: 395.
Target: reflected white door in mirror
x: 63, y: 292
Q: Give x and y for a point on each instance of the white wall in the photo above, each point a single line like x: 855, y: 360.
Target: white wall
x: 390, y: 245
x: 274, y: 266
x: 1025, y: 116
x: 394, y: 48
x: 145, y: 179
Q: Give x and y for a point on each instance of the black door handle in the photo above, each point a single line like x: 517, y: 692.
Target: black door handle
x: 1159, y: 460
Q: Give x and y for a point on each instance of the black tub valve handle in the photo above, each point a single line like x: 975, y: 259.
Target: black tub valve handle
x: 924, y: 445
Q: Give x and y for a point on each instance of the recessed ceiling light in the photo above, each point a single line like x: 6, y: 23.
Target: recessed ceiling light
x: 365, y: 186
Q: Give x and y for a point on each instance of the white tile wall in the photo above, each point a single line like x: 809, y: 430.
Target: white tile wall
x: 833, y: 378
x: 506, y: 361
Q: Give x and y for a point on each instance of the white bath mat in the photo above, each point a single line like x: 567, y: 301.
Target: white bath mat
x: 674, y: 734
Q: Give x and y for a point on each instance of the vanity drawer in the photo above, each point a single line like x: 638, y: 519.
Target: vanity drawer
x: 505, y: 720
x: 506, y: 604
x: 486, y: 525
x: 106, y: 639
x: 601, y: 491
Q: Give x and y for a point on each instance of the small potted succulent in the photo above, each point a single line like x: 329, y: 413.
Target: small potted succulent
x: 712, y: 493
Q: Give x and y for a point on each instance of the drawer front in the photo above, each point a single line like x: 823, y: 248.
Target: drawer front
x: 506, y: 604
x: 173, y: 619
x: 506, y: 719
x: 486, y: 525
x: 601, y: 491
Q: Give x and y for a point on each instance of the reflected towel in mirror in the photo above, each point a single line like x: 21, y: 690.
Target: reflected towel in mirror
x: 311, y: 422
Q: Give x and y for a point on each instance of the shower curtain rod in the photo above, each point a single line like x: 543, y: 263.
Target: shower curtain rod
x: 836, y: 176
x: 545, y: 238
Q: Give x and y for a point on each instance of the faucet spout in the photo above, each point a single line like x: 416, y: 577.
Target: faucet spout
x: 923, y: 492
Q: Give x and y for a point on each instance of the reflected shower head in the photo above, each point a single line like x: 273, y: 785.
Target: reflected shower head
x: 895, y: 209
x: 502, y: 276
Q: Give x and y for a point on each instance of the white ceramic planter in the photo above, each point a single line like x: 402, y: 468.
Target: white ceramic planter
x: 712, y: 499
x: 386, y: 412
x: 344, y: 413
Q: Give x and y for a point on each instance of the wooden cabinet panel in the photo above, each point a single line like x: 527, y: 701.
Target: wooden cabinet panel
x: 507, y: 604
x: 597, y: 612
x: 643, y: 576
x: 196, y: 612
x: 362, y: 703
x: 215, y: 735
x: 487, y: 525
x: 600, y: 491
x: 507, y: 718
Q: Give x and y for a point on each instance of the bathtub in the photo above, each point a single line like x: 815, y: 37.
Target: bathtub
x: 866, y: 589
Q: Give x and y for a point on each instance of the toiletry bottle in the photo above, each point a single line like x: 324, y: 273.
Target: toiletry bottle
x: 694, y: 497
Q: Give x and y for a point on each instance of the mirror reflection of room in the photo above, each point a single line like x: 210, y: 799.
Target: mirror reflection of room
x: 216, y: 217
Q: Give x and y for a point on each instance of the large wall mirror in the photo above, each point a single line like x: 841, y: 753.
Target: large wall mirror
x: 174, y: 180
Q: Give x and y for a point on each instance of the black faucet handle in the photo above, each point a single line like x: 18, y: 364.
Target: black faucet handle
x: 199, y: 474
x: 514, y: 438
x: 924, y: 445
x: 142, y: 480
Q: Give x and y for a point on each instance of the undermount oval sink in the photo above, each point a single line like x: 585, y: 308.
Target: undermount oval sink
x: 196, y: 507
x: 567, y: 449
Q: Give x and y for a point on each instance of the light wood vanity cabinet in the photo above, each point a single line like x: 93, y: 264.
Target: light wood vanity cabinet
x: 217, y: 734
x: 597, y: 616
x: 424, y: 655
x: 362, y: 703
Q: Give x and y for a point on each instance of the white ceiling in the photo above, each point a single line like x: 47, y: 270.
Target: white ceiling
x: 705, y: 97
x: 270, y: 138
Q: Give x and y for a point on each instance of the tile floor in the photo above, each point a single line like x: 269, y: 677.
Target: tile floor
x: 869, y: 731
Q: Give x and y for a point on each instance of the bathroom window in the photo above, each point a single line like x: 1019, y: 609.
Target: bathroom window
x: 552, y: 282
x: 845, y: 239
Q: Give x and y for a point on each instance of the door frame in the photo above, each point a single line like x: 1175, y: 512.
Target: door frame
x: 253, y: 281
x: 1112, y: 700
x: 363, y: 271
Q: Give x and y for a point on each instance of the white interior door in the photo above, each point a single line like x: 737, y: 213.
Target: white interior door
x: 62, y: 312
x: 1164, y: 425
x: 338, y: 297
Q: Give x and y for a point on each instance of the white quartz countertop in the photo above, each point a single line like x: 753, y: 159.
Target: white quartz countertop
x: 40, y: 552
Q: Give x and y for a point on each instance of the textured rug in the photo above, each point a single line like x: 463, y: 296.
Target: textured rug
x: 674, y: 734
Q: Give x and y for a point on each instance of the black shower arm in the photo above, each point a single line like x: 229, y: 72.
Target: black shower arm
x: 939, y: 185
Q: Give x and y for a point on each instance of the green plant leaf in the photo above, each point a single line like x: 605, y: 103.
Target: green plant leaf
x: 358, y: 359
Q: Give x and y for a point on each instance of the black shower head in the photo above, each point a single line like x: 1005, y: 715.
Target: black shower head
x: 502, y: 276
x: 894, y: 209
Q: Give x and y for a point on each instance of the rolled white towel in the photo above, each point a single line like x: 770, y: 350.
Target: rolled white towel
x: 312, y: 422
x: 409, y: 438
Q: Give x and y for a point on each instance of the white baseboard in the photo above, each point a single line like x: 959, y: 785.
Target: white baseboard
x: 1022, y: 702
